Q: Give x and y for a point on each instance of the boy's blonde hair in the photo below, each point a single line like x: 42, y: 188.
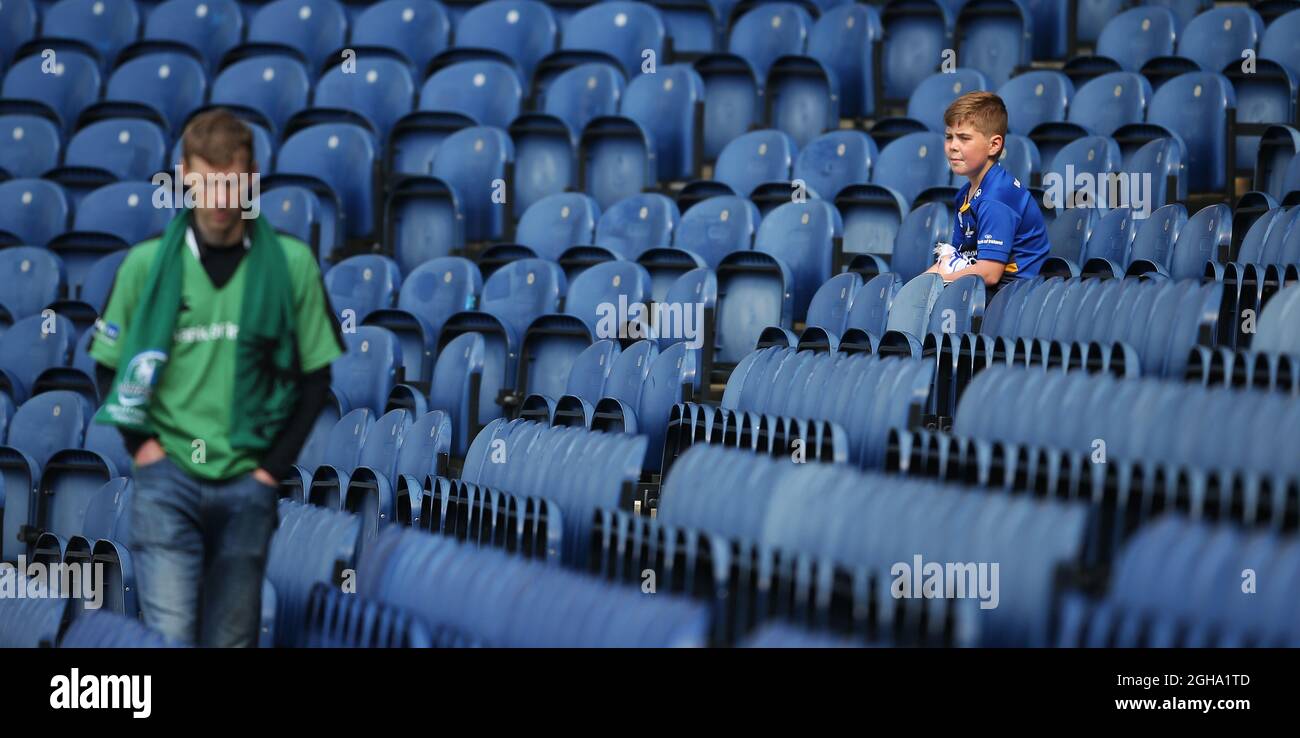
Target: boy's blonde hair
x: 985, y: 111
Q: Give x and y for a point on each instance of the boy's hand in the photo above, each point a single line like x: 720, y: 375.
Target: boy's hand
x: 265, y: 477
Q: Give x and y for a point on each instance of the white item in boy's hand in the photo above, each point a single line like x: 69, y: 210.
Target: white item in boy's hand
x: 951, y: 260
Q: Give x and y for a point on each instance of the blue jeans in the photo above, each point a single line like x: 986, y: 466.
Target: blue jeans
x: 200, y: 550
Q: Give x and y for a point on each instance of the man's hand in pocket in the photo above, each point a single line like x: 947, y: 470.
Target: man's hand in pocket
x: 149, y: 452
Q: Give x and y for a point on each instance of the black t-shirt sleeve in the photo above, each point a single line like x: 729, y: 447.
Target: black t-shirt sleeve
x: 311, y: 398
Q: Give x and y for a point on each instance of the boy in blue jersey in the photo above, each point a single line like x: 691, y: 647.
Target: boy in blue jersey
x: 998, y: 233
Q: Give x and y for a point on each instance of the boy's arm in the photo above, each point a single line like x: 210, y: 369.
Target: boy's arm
x: 986, y: 269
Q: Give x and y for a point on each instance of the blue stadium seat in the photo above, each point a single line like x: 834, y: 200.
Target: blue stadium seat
x: 767, y: 32
x: 274, y: 87
x: 1206, y: 236
x: 615, y: 160
x: 835, y: 160
x: 672, y: 374
x: 994, y: 36
x: 1161, y: 159
x: 342, y: 155
x: 936, y: 92
x: 1035, y: 97
x: 696, y: 291
x: 1094, y: 155
x: 1069, y: 231
x: 1266, y: 94
x: 556, y: 222
x: 343, y: 448
x: 872, y: 214
x: 41, y: 427
x: 637, y: 223
x: 1194, y: 106
x: 97, y: 282
x: 1092, y: 17
x: 106, y: 440
x: 472, y: 161
x: 315, y: 29
x: 1020, y: 157
x: 591, y: 311
x: 1111, y: 238
x: 456, y: 377
x: 488, y: 92
x: 1278, y: 42
x: 755, y: 158
x: 39, y: 149
x: 380, y: 89
x: 172, y: 84
x: 362, y: 284
x: 1110, y: 101
x: 423, y: 220
x: 1183, y: 10
x: 523, y: 31
x: 418, y: 31
x: 716, y: 227
x: 32, y: 345
x: 32, y: 211
x: 17, y: 26
x: 731, y: 101
x: 108, y: 514
x: 924, y: 227
x: 367, y: 371
x: 916, y: 34
x: 911, y: 164
x: 582, y: 93
x: 1048, y: 25
x: 514, y: 296
x: 647, y: 100
x: 618, y: 30
x: 430, y: 294
x: 71, y: 88
x: 802, y: 98
x: 1277, y: 147
x: 1220, y: 36
x: 1156, y: 236
x: 30, y: 278
x: 297, y: 211
x: 106, y: 26
x: 801, y: 236
x: 122, y: 148
x: 125, y: 210
x: 545, y: 159
x: 829, y: 310
x: 210, y: 27
x: 1138, y: 35
x: 586, y: 385
x: 844, y: 40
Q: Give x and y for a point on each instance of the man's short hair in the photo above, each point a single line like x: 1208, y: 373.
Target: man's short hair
x: 984, y: 111
x: 218, y: 137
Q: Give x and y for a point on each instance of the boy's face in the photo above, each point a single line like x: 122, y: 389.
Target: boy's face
x: 969, y: 150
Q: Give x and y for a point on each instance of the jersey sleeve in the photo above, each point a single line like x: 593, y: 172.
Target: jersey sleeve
x: 997, y: 231
x: 318, y: 337
x: 106, y: 345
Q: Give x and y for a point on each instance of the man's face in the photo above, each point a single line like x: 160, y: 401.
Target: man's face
x: 969, y: 150
x: 216, y: 189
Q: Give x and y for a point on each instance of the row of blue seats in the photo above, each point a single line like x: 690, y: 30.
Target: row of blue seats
x: 371, y: 466
x: 504, y: 601
x: 1146, y: 420
x: 873, y: 522
x: 1181, y: 583
x: 532, y: 527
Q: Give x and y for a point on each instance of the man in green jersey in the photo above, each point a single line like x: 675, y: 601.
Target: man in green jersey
x: 214, y: 355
